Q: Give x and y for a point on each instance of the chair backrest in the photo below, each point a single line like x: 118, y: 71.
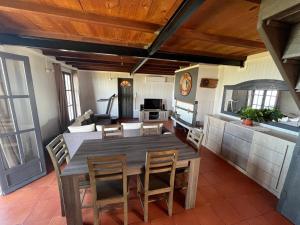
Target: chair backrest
x: 152, y: 129
x: 107, y: 168
x: 195, y: 137
x: 132, y: 129
x: 160, y: 162
x: 58, y: 152
x: 115, y: 130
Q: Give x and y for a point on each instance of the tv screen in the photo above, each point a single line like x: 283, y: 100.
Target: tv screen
x: 150, y: 103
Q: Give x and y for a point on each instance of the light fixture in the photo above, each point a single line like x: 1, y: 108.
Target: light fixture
x: 47, y: 69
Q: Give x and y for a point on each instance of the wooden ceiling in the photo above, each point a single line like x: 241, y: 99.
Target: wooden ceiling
x: 221, y: 29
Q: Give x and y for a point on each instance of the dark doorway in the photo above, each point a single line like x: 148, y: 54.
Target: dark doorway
x: 125, y: 93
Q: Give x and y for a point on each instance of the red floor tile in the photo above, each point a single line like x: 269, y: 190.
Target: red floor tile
x: 205, y: 215
x: 226, y: 212
x: 224, y: 197
x: 243, y: 206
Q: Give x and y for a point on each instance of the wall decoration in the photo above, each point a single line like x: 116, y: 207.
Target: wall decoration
x: 190, y: 98
x: 125, y: 83
x: 209, y: 83
x: 185, y: 84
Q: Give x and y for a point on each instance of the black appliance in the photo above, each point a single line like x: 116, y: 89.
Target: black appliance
x: 151, y: 103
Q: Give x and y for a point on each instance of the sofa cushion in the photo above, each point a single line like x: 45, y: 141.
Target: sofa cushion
x: 85, y: 128
x: 74, y: 140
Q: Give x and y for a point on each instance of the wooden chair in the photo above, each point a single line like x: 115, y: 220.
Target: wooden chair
x: 108, y: 176
x: 195, y: 137
x: 158, y: 178
x: 151, y: 129
x: 59, y: 155
x: 114, y: 130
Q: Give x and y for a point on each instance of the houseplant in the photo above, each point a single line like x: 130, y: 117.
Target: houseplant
x: 271, y: 114
x: 248, y: 115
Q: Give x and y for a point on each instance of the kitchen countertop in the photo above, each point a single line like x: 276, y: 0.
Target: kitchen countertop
x: 258, y: 128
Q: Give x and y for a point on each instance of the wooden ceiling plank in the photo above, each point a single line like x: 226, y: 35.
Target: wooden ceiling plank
x: 184, y: 11
x: 23, y: 6
x: 220, y: 39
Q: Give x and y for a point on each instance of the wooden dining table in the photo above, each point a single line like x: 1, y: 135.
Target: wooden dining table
x: 135, y: 148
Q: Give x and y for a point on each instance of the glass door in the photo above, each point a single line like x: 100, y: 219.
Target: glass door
x: 21, y: 151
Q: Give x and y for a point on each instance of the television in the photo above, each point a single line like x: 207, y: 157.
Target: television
x: 151, y: 103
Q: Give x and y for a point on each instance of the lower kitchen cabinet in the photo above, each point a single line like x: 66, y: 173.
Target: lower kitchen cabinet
x: 262, y: 156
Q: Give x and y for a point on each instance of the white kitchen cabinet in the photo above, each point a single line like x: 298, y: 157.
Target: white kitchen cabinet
x: 213, y: 133
x: 263, y: 156
x: 269, y: 160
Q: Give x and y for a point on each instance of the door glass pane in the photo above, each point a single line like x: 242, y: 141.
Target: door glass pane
x: 17, y: 77
x: 23, y: 113
x: 29, y: 144
x: 6, y: 120
x: 9, y: 151
x: 71, y: 112
x: 69, y: 98
x: 3, y: 90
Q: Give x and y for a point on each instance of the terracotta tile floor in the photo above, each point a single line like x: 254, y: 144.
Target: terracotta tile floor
x: 225, y: 197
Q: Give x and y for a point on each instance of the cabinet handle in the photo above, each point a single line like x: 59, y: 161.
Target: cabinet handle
x: 286, y: 149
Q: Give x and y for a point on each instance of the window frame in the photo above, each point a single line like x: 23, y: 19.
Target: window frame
x: 64, y: 73
x: 263, y: 103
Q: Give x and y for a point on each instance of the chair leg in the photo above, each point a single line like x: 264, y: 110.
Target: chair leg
x: 96, y: 216
x: 138, y: 186
x: 125, y: 212
x: 62, y: 205
x: 170, y: 203
x: 146, y: 201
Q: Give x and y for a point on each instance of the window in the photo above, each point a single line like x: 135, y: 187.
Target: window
x: 264, y: 99
x: 258, y: 99
x: 71, y: 106
x: 270, y: 100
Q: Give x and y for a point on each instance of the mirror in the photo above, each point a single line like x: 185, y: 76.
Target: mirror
x: 261, y: 94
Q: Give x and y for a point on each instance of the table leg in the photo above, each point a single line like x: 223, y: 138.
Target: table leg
x: 190, y: 198
x: 71, y: 195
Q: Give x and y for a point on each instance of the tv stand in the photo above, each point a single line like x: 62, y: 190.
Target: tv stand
x: 149, y: 115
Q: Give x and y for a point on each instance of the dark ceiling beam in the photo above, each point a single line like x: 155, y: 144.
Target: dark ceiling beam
x: 124, y: 65
x: 219, y: 39
x: 254, y: 1
x: 149, y: 71
x: 55, y: 12
x: 183, y: 12
x: 36, y: 32
x: 119, y: 62
x: 78, y: 46
x: 110, y: 49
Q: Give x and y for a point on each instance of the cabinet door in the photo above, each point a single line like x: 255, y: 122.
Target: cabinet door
x: 146, y: 116
x: 214, y: 129
x: 269, y: 161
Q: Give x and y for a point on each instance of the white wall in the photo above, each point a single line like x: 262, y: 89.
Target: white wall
x: 258, y: 66
x: 44, y: 88
x: 206, y: 96
x: 94, y: 85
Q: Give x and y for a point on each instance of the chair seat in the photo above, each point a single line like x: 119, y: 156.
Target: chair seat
x: 157, y: 181
x: 109, y: 189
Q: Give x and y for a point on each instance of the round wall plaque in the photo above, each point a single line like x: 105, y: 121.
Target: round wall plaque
x: 185, y: 84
